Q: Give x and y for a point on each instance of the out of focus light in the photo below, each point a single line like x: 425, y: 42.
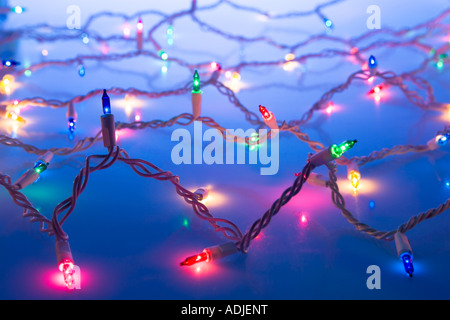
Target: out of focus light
x: 44, y: 52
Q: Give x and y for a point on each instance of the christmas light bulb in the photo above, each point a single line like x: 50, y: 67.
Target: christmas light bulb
x: 81, y: 70
x: 289, y: 57
x: 201, y: 257
x: 214, y: 66
x: 169, y: 30
x: 376, y: 89
x: 442, y: 139
x: 211, y: 254
x: 65, y: 262
x: 269, y: 119
x: 267, y: 115
x: 196, y: 83
x: 126, y: 31
x: 140, y: 26
x: 106, y: 103
x: 71, y: 117
x: 14, y: 116
x: 338, y: 150
x: 40, y: 166
x: 407, y: 263
x: 164, y: 56
x: 85, y: 38
x: 354, y: 178
x: 372, y: 62
x: 404, y: 252
x: 109, y: 134
x: 18, y: 9
x: 72, y: 123
x: 328, y: 23
x: 32, y: 174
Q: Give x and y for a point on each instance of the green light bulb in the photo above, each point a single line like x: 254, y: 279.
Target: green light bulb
x: 196, y: 83
x: 338, y: 150
x: 40, y: 167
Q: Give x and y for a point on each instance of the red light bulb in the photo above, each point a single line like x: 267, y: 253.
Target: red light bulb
x: 204, y: 256
x: 376, y: 89
x: 66, y: 267
x: 265, y: 113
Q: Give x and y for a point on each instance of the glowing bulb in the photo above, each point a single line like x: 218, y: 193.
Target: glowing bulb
x: 228, y: 74
x: 126, y: 31
x: 442, y: 139
x: 330, y: 107
x: 18, y: 9
x: 106, y: 103
x: 140, y: 26
x: 164, y: 69
x: 407, y: 263
x: 44, y: 52
x: 265, y: 113
x: 67, y: 268
x: 440, y: 64
x: 85, y: 38
x: 28, y: 73
x: 236, y: 76
x: 40, y: 166
x: 354, y: 177
x: 196, y: 259
x: 14, y: 116
x: 81, y: 70
x: 8, y: 63
x: 72, y: 124
x: 196, y: 83
x: 137, y: 117
x: 338, y: 150
x: 289, y: 57
x: 354, y: 50
x: 372, y: 62
x: 164, y: 56
x: 328, y: 23
x: 376, y: 89
x: 214, y: 66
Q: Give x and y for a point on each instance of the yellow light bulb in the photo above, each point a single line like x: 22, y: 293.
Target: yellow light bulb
x: 13, y: 116
x: 289, y: 57
x: 354, y: 177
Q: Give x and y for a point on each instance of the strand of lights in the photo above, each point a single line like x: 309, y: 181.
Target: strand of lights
x: 335, y: 151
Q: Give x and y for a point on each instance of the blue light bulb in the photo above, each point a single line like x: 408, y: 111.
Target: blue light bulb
x: 372, y: 62
x: 442, y: 140
x: 81, y: 70
x: 106, y: 103
x: 328, y: 23
x: 407, y: 263
x: 72, y: 123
